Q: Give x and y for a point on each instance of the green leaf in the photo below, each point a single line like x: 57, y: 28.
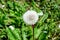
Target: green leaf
x: 13, y: 34
x: 23, y: 33
x: 38, y: 31
x: 45, y: 16
x: 9, y: 33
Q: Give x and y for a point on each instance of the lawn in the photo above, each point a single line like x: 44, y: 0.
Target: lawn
x: 13, y: 27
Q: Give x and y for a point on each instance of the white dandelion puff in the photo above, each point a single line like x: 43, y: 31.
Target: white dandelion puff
x: 40, y: 14
x: 30, y: 17
x: 45, y: 31
x: 2, y: 6
x: 11, y: 27
x: 59, y: 25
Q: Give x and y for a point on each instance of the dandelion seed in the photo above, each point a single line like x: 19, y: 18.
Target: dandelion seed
x: 59, y: 25
x: 11, y: 27
x: 45, y: 31
x: 40, y: 14
x: 30, y: 17
x: 2, y: 6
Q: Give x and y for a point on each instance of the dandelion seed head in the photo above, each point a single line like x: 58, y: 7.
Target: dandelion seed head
x: 30, y: 17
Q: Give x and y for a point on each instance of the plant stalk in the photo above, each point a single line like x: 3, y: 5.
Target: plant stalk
x: 33, y: 31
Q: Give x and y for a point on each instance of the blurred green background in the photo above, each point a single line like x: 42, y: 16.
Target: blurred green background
x: 47, y: 28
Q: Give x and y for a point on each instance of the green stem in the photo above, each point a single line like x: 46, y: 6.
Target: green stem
x: 33, y: 31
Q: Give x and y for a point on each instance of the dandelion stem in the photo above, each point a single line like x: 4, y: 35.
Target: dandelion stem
x: 33, y: 31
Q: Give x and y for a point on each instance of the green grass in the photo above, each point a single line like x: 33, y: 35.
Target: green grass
x: 12, y: 14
